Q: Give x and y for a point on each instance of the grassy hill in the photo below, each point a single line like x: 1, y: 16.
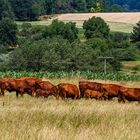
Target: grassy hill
x: 120, y: 22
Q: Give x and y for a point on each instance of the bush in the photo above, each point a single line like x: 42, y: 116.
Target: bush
x: 96, y: 27
x: 57, y: 54
x: 135, y: 36
x: 8, y: 32
x: 58, y: 28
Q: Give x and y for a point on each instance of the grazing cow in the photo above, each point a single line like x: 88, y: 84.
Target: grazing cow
x: 84, y: 85
x: 30, y: 84
x: 130, y: 94
x: 10, y: 85
x: 43, y: 88
x: 65, y: 90
x: 110, y: 90
x: 93, y: 94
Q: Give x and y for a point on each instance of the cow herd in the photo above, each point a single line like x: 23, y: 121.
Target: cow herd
x: 87, y: 89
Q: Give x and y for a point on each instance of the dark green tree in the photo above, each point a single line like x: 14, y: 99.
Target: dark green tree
x: 27, y: 9
x: 58, y: 28
x: 8, y: 32
x: 5, y: 9
x: 135, y: 36
x: 96, y: 27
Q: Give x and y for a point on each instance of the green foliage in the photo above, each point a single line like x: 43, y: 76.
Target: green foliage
x: 8, y: 31
x: 116, y: 8
x: 138, y: 45
x: 136, y: 68
x: 96, y: 27
x: 72, y: 74
x: 135, y: 37
x: 97, y: 8
x: 27, y: 9
x: 121, y: 47
x: 26, y: 29
x: 119, y: 37
x: 58, y: 28
x: 5, y: 10
x: 57, y: 54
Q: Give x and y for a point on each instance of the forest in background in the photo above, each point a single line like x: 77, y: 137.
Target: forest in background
x: 25, y: 10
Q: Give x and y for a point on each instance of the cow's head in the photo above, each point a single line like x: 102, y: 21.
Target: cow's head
x: 54, y: 91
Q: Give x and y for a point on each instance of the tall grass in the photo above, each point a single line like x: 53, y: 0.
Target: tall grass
x: 40, y: 119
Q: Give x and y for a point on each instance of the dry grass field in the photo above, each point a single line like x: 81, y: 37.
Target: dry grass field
x: 121, y: 22
x: 130, y: 17
x: 49, y: 119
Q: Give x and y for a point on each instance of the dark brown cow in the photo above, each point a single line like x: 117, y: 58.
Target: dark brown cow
x: 65, y: 90
x: 130, y: 94
x: 43, y: 88
x: 110, y: 90
x: 84, y: 85
x: 93, y: 94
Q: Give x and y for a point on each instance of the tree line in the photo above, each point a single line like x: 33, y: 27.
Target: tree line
x: 127, y: 5
x: 25, y: 10
x: 58, y: 47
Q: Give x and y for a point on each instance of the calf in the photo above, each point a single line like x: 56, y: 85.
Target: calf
x: 93, y: 94
x: 43, y: 88
x: 84, y: 85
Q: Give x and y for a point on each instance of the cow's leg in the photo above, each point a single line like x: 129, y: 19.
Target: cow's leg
x: 120, y: 98
x: 75, y: 97
x: 2, y: 92
x: 57, y: 97
x: 33, y: 93
x: 63, y: 95
x: 17, y: 94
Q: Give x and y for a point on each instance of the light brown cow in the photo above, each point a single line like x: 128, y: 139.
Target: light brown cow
x: 65, y: 90
x: 93, y: 94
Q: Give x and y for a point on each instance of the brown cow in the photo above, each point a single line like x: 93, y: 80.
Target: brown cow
x: 10, y: 85
x: 43, y: 88
x: 84, y: 85
x: 30, y: 84
x: 110, y: 90
x: 23, y: 85
x: 93, y: 94
x: 130, y: 94
x: 65, y: 90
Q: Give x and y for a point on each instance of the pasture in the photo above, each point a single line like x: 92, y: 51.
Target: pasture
x: 118, y: 22
x: 38, y: 118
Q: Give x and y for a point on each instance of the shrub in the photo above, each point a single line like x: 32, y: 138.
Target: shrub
x: 96, y: 27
